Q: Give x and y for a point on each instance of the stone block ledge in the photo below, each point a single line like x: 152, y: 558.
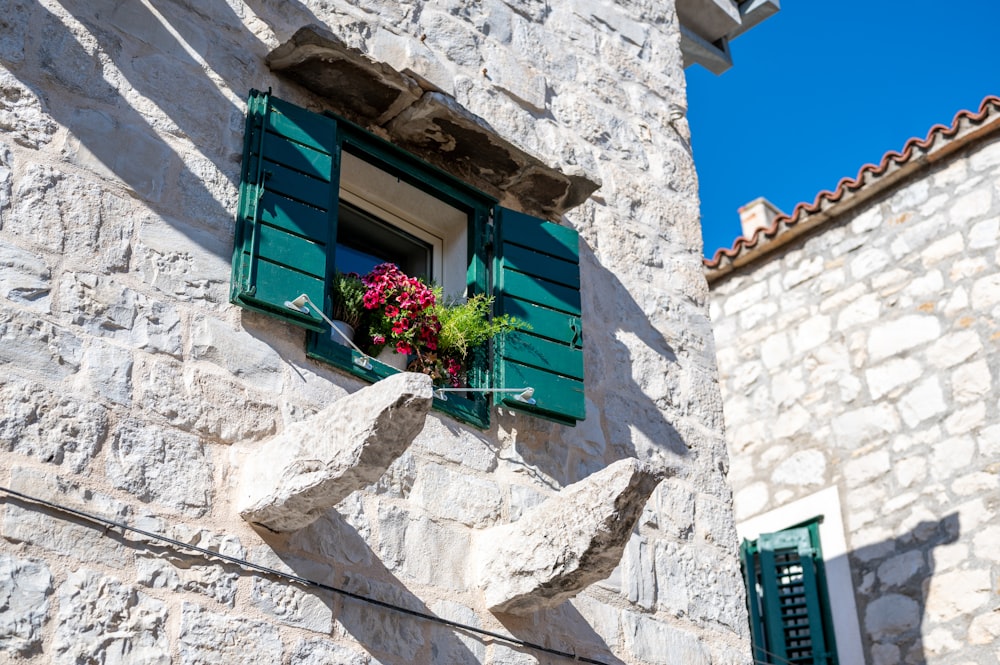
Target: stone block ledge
x: 567, y: 542
x: 429, y: 123
x: 292, y: 479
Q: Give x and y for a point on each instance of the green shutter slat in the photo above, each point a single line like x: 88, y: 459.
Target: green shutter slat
x: 302, y: 126
x: 545, y: 266
x: 547, y: 323
x: 277, y: 283
x: 538, y: 277
x: 527, y: 349
x: 557, y: 397
x: 292, y: 184
x: 292, y: 252
x: 298, y: 157
x: 541, y: 292
x: 546, y: 237
x: 294, y: 217
x: 286, y: 222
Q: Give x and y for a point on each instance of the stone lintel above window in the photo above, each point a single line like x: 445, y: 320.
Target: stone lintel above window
x: 428, y: 123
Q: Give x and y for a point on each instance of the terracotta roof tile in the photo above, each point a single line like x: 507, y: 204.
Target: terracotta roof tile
x: 723, y: 259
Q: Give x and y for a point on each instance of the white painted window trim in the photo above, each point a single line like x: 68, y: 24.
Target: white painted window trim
x: 840, y: 587
x: 417, y: 212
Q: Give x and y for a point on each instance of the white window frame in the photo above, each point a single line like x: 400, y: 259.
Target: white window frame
x: 444, y: 227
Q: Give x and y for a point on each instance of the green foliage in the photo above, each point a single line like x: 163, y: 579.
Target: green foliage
x: 466, y: 325
x: 347, y: 293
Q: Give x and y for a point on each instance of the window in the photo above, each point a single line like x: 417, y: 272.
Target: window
x: 318, y: 194
x: 790, y: 619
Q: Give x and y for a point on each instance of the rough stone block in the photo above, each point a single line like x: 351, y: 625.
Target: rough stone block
x: 294, y: 478
x: 924, y: 401
x: 184, y: 261
x: 211, y: 404
x: 901, y: 334
x: 25, y: 587
x: 890, y: 615
x: 324, y: 652
x: 566, y: 543
x: 36, y: 347
x: 805, y: 467
x: 25, y: 277
x: 160, y: 465
x: 292, y: 605
x: 59, y: 429
x: 23, y: 118
x: 102, y: 620
x: 239, y: 352
x: 206, y: 638
x: 958, y: 593
x: 459, y: 496
x: 656, y: 642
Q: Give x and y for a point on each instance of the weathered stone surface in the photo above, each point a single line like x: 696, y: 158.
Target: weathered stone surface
x: 954, y: 594
x: 315, y: 463
x: 22, y: 116
x: 183, y: 261
x: 470, y: 500
x: 891, y: 614
x: 160, y: 465
x: 656, y: 642
x: 208, y: 403
x: 292, y: 605
x: 207, y: 638
x: 806, y: 467
x: 25, y: 278
x: 101, y: 307
x: 25, y: 587
x: 181, y: 569
x: 37, y: 347
x: 242, y: 354
x: 58, y: 429
x: 566, y: 543
x: 102, y: 620
x: 55, y: 531
x: 323, y: 652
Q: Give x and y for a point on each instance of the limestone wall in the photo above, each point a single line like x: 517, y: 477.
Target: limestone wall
x: 865, y: 358
x: 132, y: 389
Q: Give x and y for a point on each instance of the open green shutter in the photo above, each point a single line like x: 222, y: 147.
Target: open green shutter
x: 791, y: 601
x: 537, y: 279
x: 751, y: 574
x: 286, y: 222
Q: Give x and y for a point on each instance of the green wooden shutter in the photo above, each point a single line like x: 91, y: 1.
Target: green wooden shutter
x: 286, y: 224
x: 788, y: 599
x: 537, y: 279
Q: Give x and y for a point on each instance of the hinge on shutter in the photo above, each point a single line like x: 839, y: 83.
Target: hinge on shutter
x: 488, y: 245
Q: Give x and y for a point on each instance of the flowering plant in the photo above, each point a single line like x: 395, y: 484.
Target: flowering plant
x: 403, y: 316
x: 412, y: 318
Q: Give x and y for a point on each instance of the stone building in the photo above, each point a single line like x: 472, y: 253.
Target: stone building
x: 193, y: 472
x: 858, y: 356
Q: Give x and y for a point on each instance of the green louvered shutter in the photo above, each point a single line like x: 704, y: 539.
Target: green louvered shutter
x: 286, y: 222
x: 537, y: 279
x: 787, y: 595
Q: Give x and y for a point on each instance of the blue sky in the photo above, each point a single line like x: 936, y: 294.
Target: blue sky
x: 822, y: 88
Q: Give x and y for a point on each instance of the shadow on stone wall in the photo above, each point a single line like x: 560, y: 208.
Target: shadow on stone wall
x: 113, y: 134
x: 630, y: 421
x: 333, y: 543
x: 891, y: 580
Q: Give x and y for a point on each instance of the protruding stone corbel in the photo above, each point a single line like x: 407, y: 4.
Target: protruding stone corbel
x: 314, y: 464
x: 566, y: 543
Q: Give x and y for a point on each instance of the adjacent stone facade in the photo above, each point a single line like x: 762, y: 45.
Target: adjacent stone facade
x: 864, y: 356
x: 131, y: 389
